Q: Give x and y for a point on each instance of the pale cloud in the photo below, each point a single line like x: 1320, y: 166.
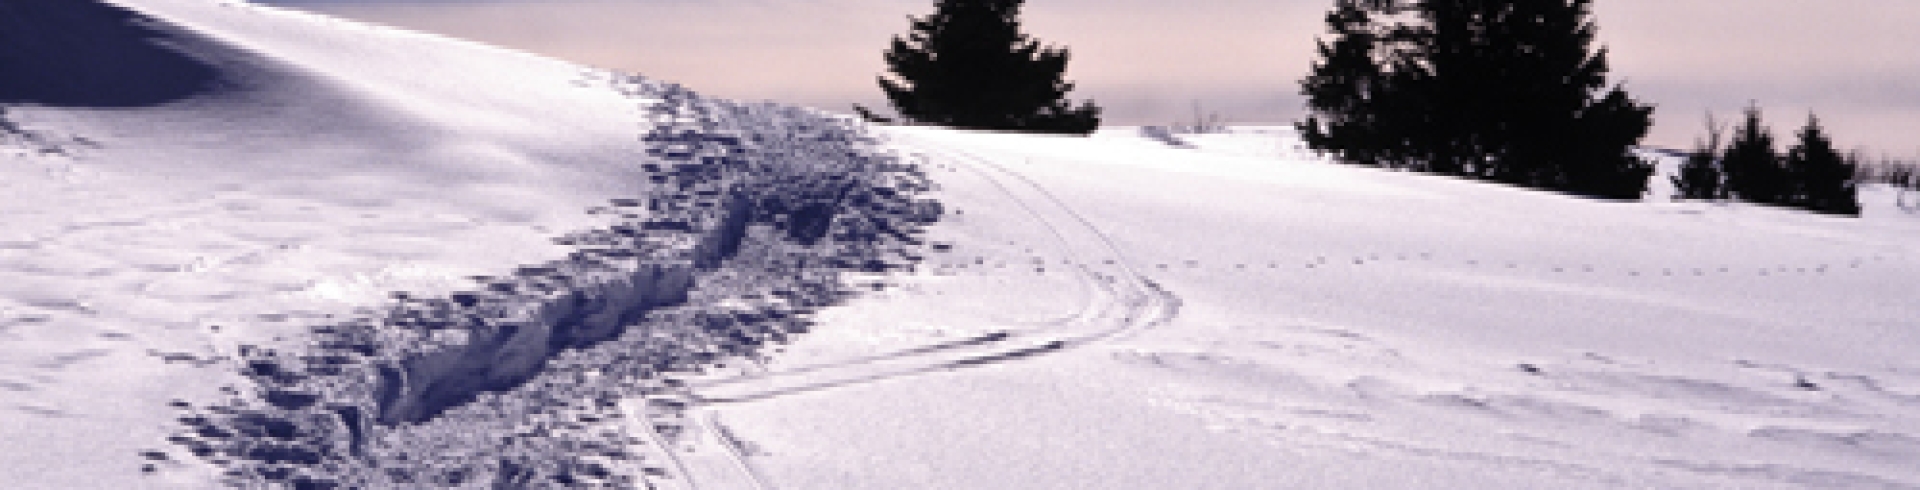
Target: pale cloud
x: 1149, y: 61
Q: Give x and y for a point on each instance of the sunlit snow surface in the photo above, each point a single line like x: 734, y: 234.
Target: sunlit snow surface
x: 369, y: 258
x: 607, y: 280
x: 1340, y: 327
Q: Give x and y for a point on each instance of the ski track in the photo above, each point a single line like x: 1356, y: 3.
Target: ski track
x: 1120, y: 302
x: 725, y: 438
x: 1120, y: 307
x: 638, y: 413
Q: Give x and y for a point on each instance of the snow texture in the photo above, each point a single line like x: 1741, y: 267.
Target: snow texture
x: 259, y: 248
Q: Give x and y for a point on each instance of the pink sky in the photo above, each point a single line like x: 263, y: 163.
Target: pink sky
x: 1855, y: 62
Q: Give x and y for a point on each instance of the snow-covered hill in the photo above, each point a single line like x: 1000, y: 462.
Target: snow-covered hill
x: 305, y: 257
x: 250, y: 246
x: 1338, y: 327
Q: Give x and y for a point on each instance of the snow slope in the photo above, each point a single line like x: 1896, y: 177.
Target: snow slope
x: 606, y: 280
x: 255, y: 246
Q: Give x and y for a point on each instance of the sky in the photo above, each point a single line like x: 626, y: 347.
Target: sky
x: 1852, y: 62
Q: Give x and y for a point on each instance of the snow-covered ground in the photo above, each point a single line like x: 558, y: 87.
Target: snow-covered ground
x: 1309, y: 325
x: 609, y: 280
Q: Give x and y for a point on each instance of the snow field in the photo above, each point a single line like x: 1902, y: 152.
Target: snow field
x: 1343, y: 327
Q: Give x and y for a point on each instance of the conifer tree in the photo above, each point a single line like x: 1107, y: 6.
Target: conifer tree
x: 1823, y: 179
x: 1700, y: 177
x: 1348, y: 88
x: 1508, y: 90
x: 1752, y: 164
x: 969, y: 66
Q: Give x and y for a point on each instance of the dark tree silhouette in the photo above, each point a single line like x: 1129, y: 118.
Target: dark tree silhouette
x: 969, y: 66
x: 1507, y: 90
x: 1700, y: 177
x: 1823, y: 179
x: 1752, y: 163
x: 1349, y: 87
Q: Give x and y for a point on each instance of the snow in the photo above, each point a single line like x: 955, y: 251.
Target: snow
x: 1127, y: 310
x: 332, y: 165
x: 1345, y: 327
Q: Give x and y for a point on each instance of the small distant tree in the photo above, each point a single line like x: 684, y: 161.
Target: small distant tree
x: 1822, y: 177
x: 1907, y: 179
x: 1505, y: 90
x: 1889, y: 171
x: 969, y: 66
x: 1752, y: 164
x: 1700, y: 177
x: 1904, y: 175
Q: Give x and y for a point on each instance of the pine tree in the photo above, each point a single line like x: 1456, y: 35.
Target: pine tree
x: 1508, y: 90
x: 1752, y: 165
x: 1822, y: 178
x: 1700, y: 177
x: 1348, y: 88
x: 969, y: 66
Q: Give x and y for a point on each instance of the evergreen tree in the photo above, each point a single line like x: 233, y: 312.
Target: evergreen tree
x: 969, y: 66
x: 1752, y: 165
x: 1823, y: 179
x: 1508, y: 90
x: 1700, y: 177
x: 1348, y: 88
